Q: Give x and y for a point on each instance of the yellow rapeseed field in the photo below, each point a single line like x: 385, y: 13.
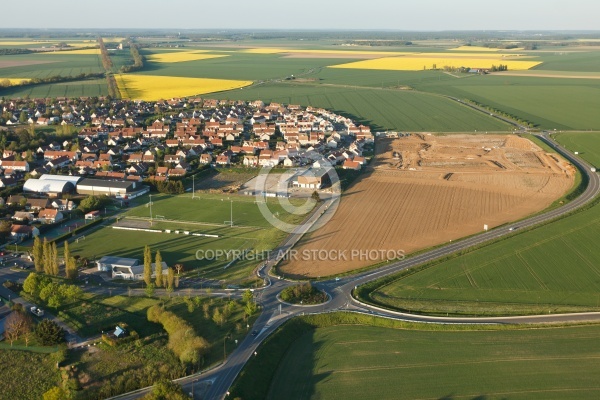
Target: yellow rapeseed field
x: 152, y: 87
x: 14, y: 81
x: 181, y: 56
x: 273, y: 50
x: 475, y: 49
x: 419, y: 63
x: 18, y: 43
x: 264, y: 50
x: 72, y: 52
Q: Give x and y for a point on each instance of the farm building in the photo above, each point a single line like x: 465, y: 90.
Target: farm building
x: 107, y: 187
x: 126, y: 268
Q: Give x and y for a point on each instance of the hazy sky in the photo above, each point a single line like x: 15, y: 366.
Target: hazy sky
x: 420, y: 15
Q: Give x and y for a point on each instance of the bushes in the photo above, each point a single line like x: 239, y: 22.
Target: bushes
x: 168, y: 187
x: 52, y: 293
x: 304, y: 293
x: 49, y: 333
x: 182, y: 338
x: 91, y: 203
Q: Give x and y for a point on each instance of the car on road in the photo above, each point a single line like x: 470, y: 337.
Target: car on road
x: 36, y: 311
x: 254, y: 333
x: 513, y: 228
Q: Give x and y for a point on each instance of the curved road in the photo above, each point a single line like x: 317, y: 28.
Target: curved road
x: 275, y: 313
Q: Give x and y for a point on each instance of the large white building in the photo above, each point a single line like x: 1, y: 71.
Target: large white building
x: 126, y: 268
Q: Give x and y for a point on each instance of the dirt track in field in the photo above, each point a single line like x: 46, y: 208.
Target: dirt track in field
x: 548, y: 75
x: 22, y: 63
x: 426, y: 190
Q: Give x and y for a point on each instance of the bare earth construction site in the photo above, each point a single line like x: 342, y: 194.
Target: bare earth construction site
x: 424, y: 190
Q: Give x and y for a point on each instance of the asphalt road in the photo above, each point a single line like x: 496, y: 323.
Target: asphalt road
x: 340, y: 290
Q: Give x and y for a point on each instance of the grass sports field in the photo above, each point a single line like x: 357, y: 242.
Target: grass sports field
x: 413, y: 364
x: 554, y: 268
x: 206, y: 214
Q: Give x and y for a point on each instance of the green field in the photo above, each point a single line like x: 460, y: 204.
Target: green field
x: 358, y: 362
x: 555, y: 268
x: 552, y: 103
x: 382, y: 109
x: 87, y: 88
x: 571, y: 61
x: 586, y: 143
x: 31, y: 374
x: 51, y: 65
x: 206, y: 214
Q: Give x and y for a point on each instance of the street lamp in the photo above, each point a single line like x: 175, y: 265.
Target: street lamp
x: 224, y: 348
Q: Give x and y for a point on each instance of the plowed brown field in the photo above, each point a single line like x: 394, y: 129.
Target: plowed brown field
x: 425, y: 190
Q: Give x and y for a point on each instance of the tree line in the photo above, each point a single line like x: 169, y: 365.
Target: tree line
x: 12, y: 52
x: 167, y: 187
x: 138, y: 59
x: 4, y: 83
x: 106, y: 61
x: 169, y: 282
x: 45, y: 258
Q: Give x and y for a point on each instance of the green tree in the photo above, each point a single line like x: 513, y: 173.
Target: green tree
x: 47, y: 250
x: 5, y: 228
x: 54, y: 260
x: 66, y: 251
x: 247, y: 296
x: 92, y: 203
x: 158, y: 270
x: 166, y: 390
x: 149, y: 289
x: 49, y: 333
x: 147, y: 265
x: 38, y: 254
x: 218, y: 317
x: 55, y: 393
x: 170, y: 279
x: 33, y: 284
x: 23, y: 117
x: 71, y: 268
x: 250, y: 308
x: 315, y: 196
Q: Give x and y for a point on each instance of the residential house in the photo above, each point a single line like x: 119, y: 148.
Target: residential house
x: 22, y: 232
x: 23, y: 216
x: 50, y: 215
x: 205, y: 158
x: 223, y: 160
